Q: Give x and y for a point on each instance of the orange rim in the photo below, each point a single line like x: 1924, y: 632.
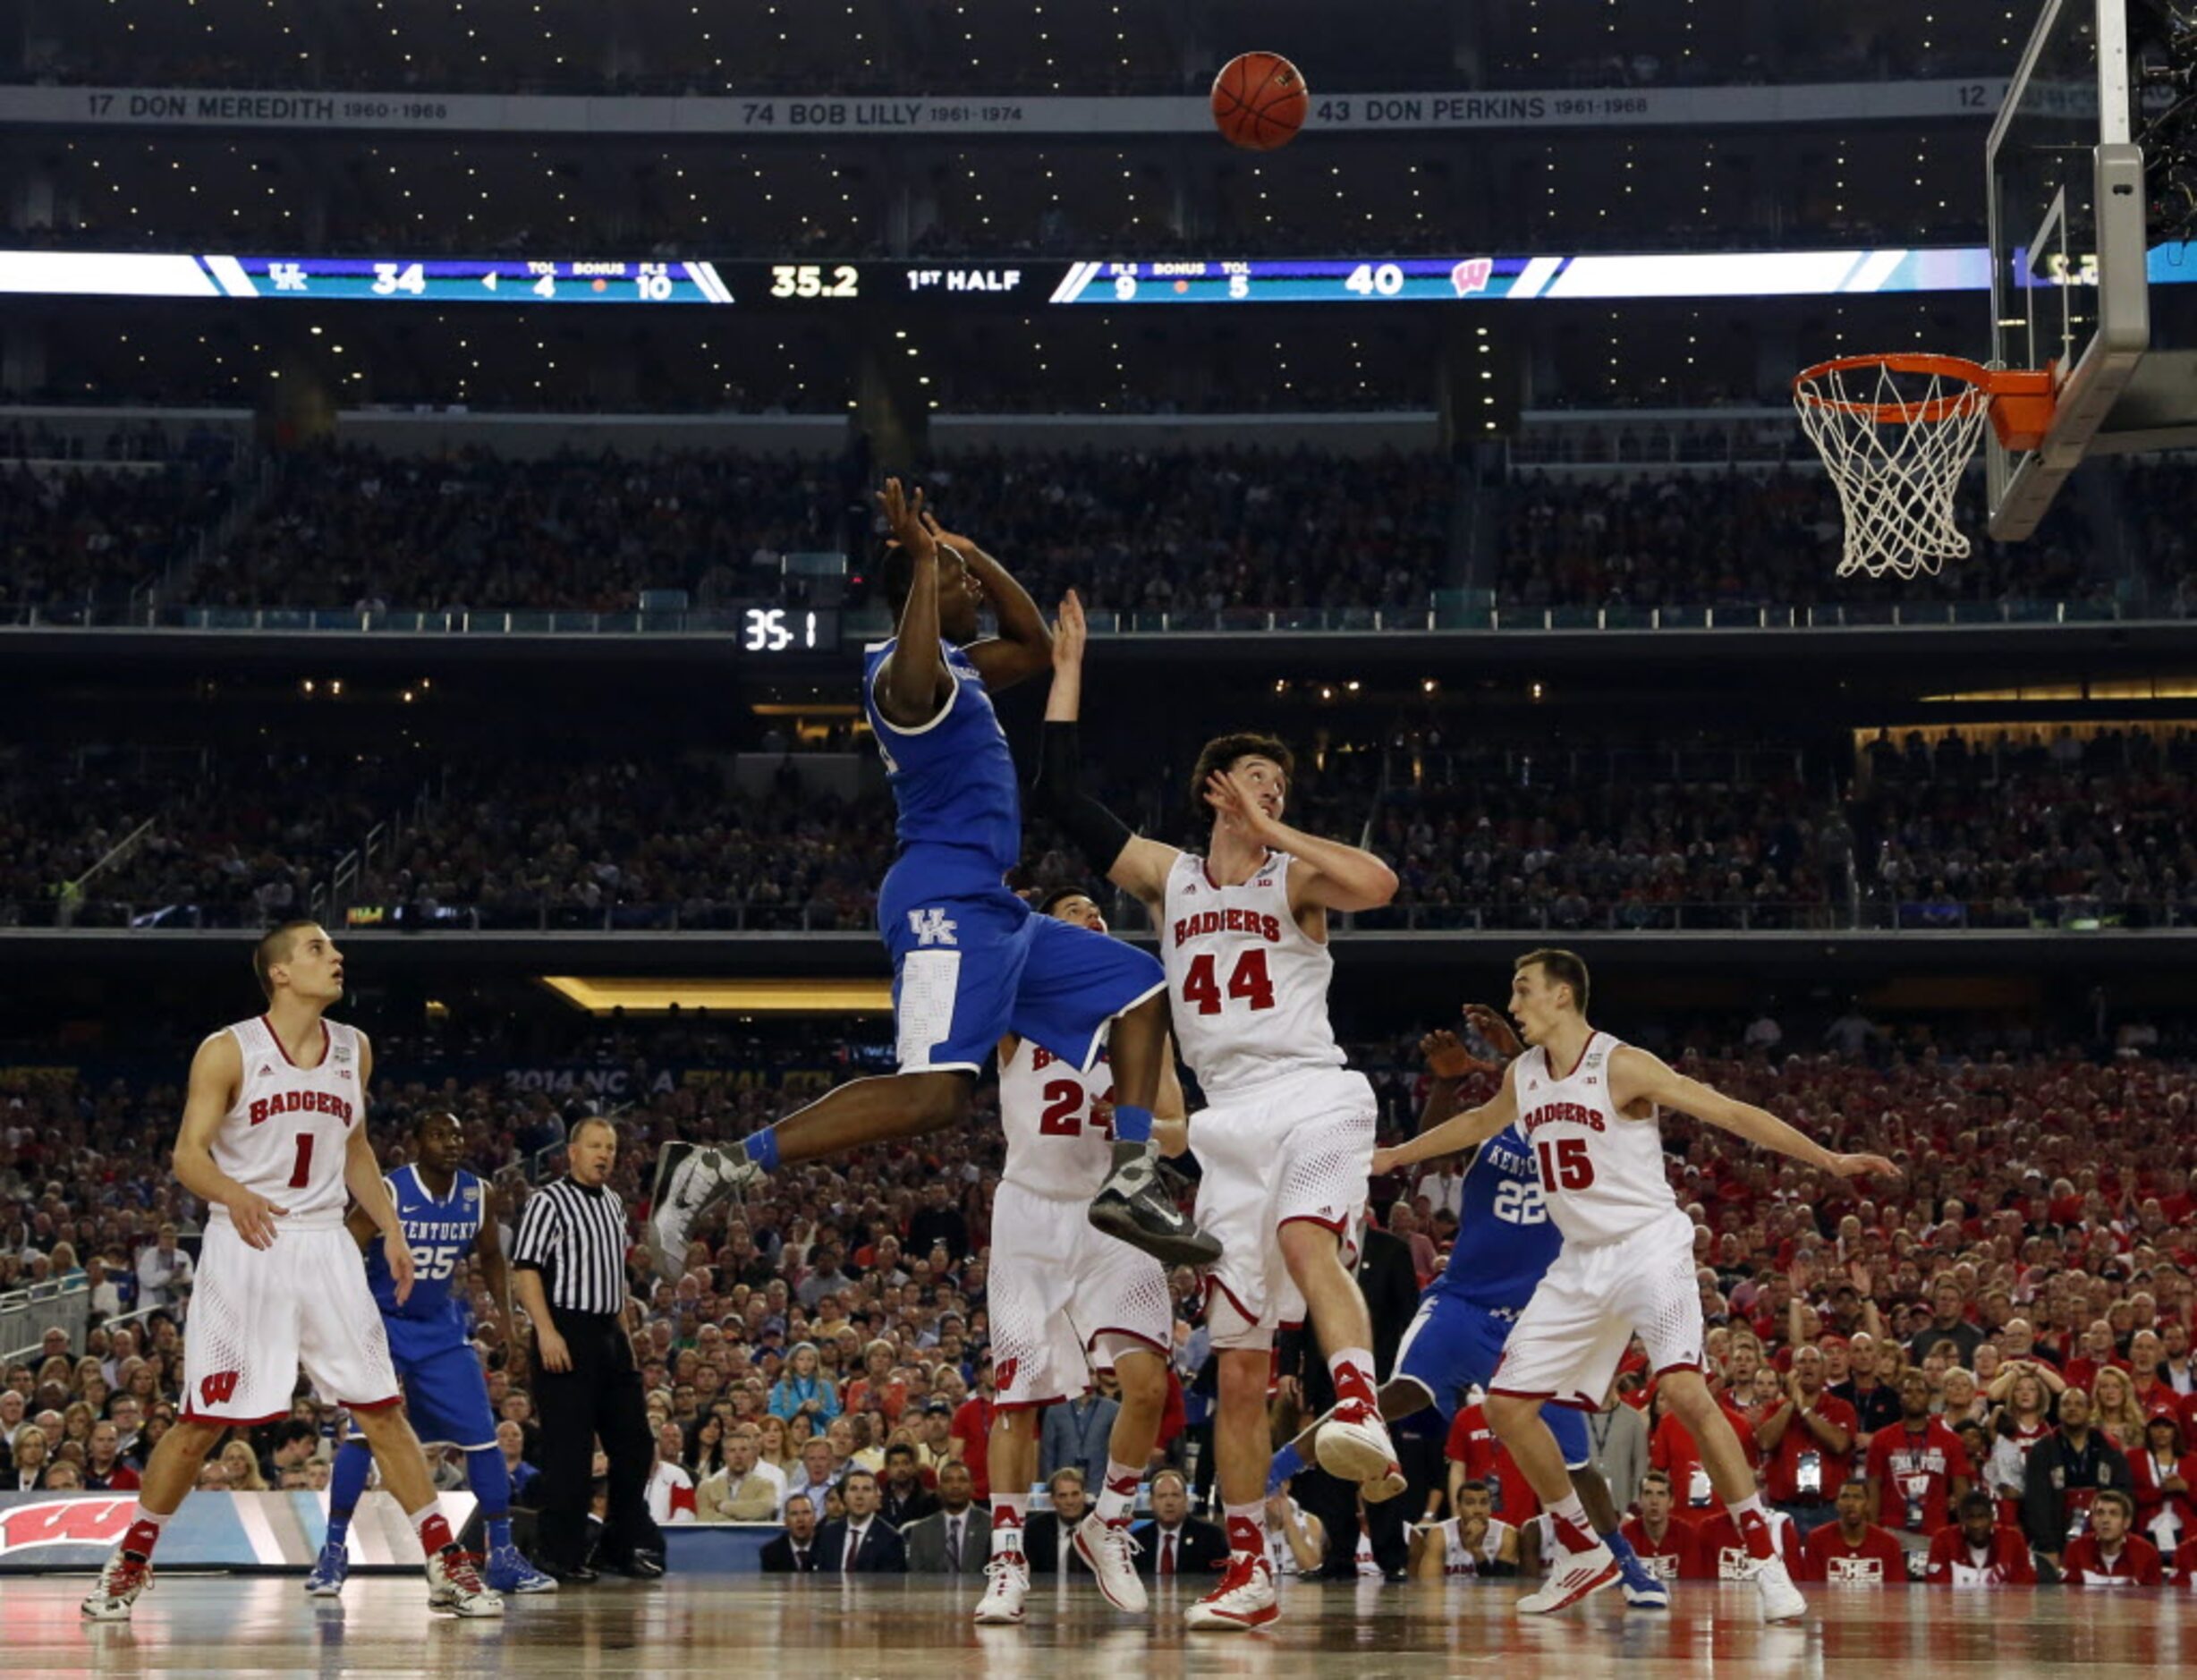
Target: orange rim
x: 1984, y: 385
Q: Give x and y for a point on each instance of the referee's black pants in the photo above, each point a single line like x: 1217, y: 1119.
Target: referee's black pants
x: 599, y: 1397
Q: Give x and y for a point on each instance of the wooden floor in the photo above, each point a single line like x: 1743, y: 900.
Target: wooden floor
x: 717, y: 1626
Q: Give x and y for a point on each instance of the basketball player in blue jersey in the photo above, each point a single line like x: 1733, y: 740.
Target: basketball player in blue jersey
x: 972, y: 963
x: 444, y: 1211
x: 1506, y: 1242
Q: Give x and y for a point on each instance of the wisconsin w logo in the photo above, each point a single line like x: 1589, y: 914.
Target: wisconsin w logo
x: 930, y: 927
x: 218, y: 1388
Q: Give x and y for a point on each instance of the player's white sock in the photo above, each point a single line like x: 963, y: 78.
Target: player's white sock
x: 144, y: 1531
x: 1247, y: 1528
x: 1118, y: 1497
x: 1008, y: 1509
x: 1351, y: 1368
x: 1568, y: 1517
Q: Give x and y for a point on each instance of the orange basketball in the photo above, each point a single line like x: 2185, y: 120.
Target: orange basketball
x: 1259, y: 101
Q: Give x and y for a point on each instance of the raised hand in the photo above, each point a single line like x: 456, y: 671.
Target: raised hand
x: 1444, y: 1057
x: 1493, y: 1028
x: 1070, y: 632
x: 905, y: 517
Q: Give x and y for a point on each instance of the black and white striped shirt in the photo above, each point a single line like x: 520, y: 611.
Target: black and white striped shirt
x: 575, y: 1237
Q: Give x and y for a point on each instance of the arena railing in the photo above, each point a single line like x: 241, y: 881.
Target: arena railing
x: 2070, y: 912
x: 1443, y: 615
x: 27, y: 1314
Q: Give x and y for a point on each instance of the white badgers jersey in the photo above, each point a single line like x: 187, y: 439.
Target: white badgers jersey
x: 286, y: 1134
x: 1058, y: 1143
x: 1602, y: 1176
x: 1249, y: 988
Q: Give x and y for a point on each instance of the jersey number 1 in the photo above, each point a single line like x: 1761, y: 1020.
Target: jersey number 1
x: 1565, y: 1164
x: 1248, y: 982
x: 302, y: 1174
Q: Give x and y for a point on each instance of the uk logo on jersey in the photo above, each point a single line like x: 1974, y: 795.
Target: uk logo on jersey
x: 930, y: 927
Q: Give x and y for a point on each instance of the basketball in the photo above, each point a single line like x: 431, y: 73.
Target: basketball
x: 1259, y: 101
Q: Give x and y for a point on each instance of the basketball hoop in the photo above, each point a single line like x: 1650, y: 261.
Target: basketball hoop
x: 1896, y: 432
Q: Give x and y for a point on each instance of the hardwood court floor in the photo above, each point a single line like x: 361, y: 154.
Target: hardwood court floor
x: 917, y: 1629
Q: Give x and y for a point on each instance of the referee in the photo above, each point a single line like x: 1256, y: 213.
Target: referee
x: 568, y: 1271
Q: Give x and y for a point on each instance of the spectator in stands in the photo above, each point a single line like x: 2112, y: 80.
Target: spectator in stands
x: 1665, y: 1540
x: 861, y: 1542
x: 738, y: 1492
x: 1620, y: 1434
x: 1852, y: 1550
x: 1074, y: 1434
x: 1808, y: 1439
x: 28, y: 1472
x: 1876, y: 1404
x: 512, y: 1442
x: 296, y: 1442
x: 241, y: 1465
x: 1173, y: 1543
x: 1917, y: 1470
x: 955, y: 1539
x: 1980, y: 1550
x: 670, y: 1490
x: 2161, y: 1475
x: 2067, y: 1472
x: 903, y: 1499
x: 2114, y: 1409
x: 2109, y: 1555
x: 971, y: 1429
x: 804, y: 1391
x: 105, y: 1467
x: 794, y: 1552
x: 816, y: 1472
x: 1049, y: 1538
x: 164, y: 1272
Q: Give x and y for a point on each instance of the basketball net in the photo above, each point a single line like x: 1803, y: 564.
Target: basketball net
x: 1896, y: 434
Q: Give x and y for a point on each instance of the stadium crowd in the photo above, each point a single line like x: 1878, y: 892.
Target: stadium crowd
x: 1142, y: 530
x: 1773, y: 539
x: 2023, y: 1297
x: 2089, y: 825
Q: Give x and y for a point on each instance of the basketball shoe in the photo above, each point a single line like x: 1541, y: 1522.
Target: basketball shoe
x: 1781, y: 1599
x: 1006, y: 1584
x: 454, y: 1585
x: 1134, y: 1207
x: 122, y: 1578
x: 1245, y: 1598
x: 689, y: 1181
x: 329, y: 1571
x: 1112, y: 1555
x: 1575, y: 1576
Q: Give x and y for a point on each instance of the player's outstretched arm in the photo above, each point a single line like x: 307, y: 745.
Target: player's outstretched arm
x: 1136, y: 865
x: 216, y: 1071
x: 1467, y: 1130
x: 1636, y: 1074
x: 1024, y: 645
x: 1328, y: 873
x: 371, y: 1191
x: 912, y: 683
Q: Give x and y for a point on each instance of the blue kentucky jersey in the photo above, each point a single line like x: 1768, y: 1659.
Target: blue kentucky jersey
x: 1505, y: 1239
x: 440, y: 1235
x: 953, y: 778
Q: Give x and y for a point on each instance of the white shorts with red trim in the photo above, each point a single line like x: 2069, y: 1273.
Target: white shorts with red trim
x: 1299, y: 1146
x: 1066, y: 1299
x: 1569, y: 1341
x: 260, y: 1315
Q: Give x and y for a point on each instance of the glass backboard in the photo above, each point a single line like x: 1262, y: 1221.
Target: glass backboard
x: 2067, y: 231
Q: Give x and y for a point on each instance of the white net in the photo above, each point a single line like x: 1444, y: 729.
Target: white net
x: 1896, y: 441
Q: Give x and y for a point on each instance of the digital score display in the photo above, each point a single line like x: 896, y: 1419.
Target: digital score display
x: 1030, y: 286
